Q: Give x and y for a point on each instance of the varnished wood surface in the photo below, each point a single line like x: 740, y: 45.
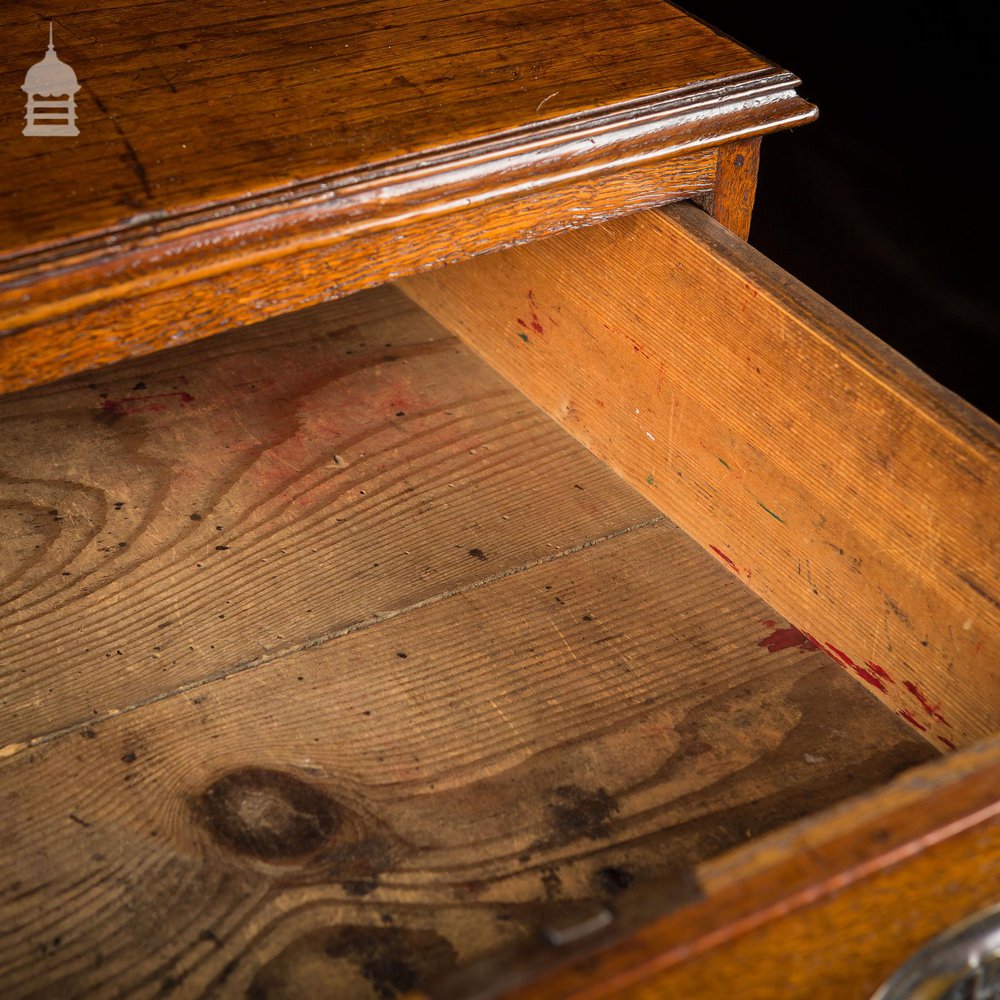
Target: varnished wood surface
x: 827, y: 908
x: 211, y: 144
x: 854, y: 494
x: 731, y: 200
x: 174, y: 307
x: 330, y: 664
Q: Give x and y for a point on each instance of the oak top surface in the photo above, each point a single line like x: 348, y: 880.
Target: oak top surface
x: 191, y: 111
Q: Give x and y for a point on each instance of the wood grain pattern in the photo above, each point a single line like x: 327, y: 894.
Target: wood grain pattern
x: 272, y: 479
x: 165, y: 306
x: 855, y: 495
x: 440, y: 675
x: 535, y: 747
x: 731, y: 200
x: 829, y: 907
x: 362, y: 121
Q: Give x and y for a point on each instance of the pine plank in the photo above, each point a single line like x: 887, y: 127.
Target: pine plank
x: 228, y: 502
x: 857, y: 496
x: 356, y: 778
x: 573, y: 731
x: 830, y: 906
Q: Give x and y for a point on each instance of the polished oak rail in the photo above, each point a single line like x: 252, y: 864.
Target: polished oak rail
x: 228, y: 169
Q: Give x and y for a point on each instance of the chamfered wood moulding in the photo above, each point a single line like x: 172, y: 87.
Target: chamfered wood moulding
x: 230, y: 169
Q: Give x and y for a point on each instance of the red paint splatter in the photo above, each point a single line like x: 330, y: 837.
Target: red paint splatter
x: 722, y: 555
x: 535, y: 323
x: 934, y: 711
x: 873, y: 675
x: 637, y: 347
x: 787, y: 638
x: 768, y: 622
x: 869, y: 678
x: 947, y: 742
x: 911, y: 720
x: 146, y: 404
x: 876, y: 669
x: 841, y: 656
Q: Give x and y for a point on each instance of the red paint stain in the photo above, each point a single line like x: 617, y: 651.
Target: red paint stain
x: 787, y: 638
x: 869, y: 678
x: 534, y: 323
x: 841, y: 656
x: 947, y: 742
x: 934, y: 711
x: 155, y: 403
x: 722, y: 555
x: 637, y: 347
x: 911, y: 720
x: 873, y: 675
x: 768, y: 622
x: 880, y: 671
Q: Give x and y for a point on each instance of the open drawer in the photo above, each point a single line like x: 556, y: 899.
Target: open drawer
x: 333, y: 667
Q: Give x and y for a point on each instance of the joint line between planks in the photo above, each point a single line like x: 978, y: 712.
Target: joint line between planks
x: 13, y: 749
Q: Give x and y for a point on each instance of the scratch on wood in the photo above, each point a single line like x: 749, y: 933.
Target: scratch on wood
x: 321, y: 640
x: 130, y: 154
x: 985, y: 594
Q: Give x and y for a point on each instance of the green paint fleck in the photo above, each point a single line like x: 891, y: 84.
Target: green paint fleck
x: 649, y: 479
x: 523, y: 336
x: 726, y: 464
x: 771, y: 512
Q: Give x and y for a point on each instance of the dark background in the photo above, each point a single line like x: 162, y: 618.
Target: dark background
x: 887, y: 205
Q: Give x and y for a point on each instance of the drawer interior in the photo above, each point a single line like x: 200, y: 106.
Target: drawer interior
x: 327, y: 656
x: 853, y: 493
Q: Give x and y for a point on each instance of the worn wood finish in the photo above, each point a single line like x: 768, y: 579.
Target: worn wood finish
x: 532, y: 747
x: 439, y: 677
x: 212, y: 146
x: 731, y: 199
x: 228, y: 502
x: 828, y: 907
x: 179, y: 309
x: 850, y: 491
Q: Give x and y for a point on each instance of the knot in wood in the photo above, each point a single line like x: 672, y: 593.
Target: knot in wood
x: 268, y: 814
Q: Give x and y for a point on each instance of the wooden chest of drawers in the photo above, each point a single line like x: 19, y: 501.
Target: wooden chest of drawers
x: 332, y: 664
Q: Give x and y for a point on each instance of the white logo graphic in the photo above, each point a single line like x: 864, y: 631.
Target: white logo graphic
x: 51, y: 78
